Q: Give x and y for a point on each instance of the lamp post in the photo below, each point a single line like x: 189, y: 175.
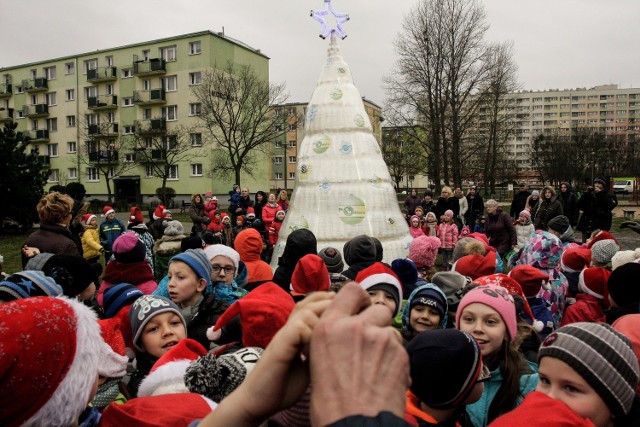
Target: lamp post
x: 593, y: 165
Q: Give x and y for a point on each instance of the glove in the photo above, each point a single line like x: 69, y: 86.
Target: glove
x: 632, y: 225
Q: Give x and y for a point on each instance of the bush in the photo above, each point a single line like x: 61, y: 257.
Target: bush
x: 76, y: 190
x: 165, y: 195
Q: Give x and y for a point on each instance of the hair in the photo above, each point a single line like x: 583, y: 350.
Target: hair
x: 281, y: 193
x: 447, y: 189
x: 491, y: 202
x: 53, y: 208
x: 512, y: 366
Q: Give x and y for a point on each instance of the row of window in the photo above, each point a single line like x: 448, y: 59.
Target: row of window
x: 93, y: 174
x: 279, y: 175
x: 278, y: 159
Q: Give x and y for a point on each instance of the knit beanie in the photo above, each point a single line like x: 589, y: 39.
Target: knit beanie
x: 575, y: 260
x: 602, y: 356
x: 476, y: 266
x: 332, y: 259
x: 423, y: 250
x: 629, y: 326
x: 216, y: 377
x: 623, y: 286
x: 359, y: 249
x: 449, y: 358
x: 514, y: 289
x: 495, y: 297
x: 192, y: 242
x: 525, y: 213
x: 309, y: 275
x: 38, y: 261
x: 73, y: 273
x: 407, y: 272
x: 452, y: 284
x: 144, y: 309
x: 603, y: 250
x: 535, y: 193
x: 379, y: 276
x: 593, y: 281
x: 27, y: 284
x: 117, y: 296
x: 135, y: 216
x: 213, y: 251
x: 559, y: 223
x: 127, y: 248
x: 429, y: 295
x: 624, y: 257
x: 448, y: 213
x: 379, y: 249
x: 197, y: 260
x: 530, y: 279
x: 174, y: 228
x: 602, y: 235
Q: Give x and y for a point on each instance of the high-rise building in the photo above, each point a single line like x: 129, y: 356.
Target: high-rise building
x: 76, y: 108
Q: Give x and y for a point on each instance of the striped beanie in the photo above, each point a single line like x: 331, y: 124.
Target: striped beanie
x: 197, y: 261
x: 27, y: 284
x: 602, y: 356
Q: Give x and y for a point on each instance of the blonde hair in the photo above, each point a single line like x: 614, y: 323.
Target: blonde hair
x: 491, y: 202
x: 447, y: 189
x: 281, y: 193
x: 53, y: 208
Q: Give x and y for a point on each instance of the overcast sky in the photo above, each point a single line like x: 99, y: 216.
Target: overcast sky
x: 558, y: 43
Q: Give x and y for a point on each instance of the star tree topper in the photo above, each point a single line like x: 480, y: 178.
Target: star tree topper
x: 325, y: 29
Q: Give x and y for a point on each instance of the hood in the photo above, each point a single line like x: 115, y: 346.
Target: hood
x: 553, y: 192
x: 248, y: 243
x: 193, y: 198
x: 299, y: 243
x: 264, y: 198
x: 359, y: 249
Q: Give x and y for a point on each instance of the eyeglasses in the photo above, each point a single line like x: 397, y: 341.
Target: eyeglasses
x: 485, y: 375
x: 227, y: 269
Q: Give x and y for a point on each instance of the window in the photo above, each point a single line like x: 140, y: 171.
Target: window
x: 129, y: 158
x: 277, y: 175
x: 146, y: 84
x: 196, y: 139
x: 91, y: 119
x: 292, y: 159
x: 170, y: 83
x: 70, y: 94
x: 70, y: 68
x: 170, y: 112
x: 195, y: 78
x: 292, y: 143
x: 92, y: 175
x: 54, y: 175
x: 51, y: 98
x: 146, y: 54
x: 196, y: 169
x: 52, y: 124
x: 111, y: 117
x: 127, y: 72
x: 173, y: 172
x: 148, y: 171
x: 34, y: 99
x: 50, y: 73
x: 72, y: 173
x: 71, y: 121
x: 90, y: 92
x: 52, y: 150
x: 292, y: 175
x: 170, y: 142
x: 146, y: 114
x: 279, y: 144
x: 168, y: 53
x: 90, y: 64
x: 109, y: 89
x: 277, y: 160
x: 71, y: 147
x: 109, y: 60
x: 148, y: 143
x: 127, y: 102
x: 278, y: 128
x: 195, y: 48
x: 34, y: 73
x: 293, y: 126
x: 129, y: 129
x: 195, y: 109
x: 292, y: 111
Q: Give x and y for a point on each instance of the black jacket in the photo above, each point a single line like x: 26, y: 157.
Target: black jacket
x: 519, y: 202
x: 476, y: 207
x: 569, y: 203
x: 596, y: 211
x: 300, y: 242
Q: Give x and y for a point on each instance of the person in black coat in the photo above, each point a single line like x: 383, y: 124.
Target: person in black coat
x: 299, y: 243
x: 569, y: 203
x: 476, y: 206
x: 596, y: 205
x: 519, y: 201
x: 446, y: 202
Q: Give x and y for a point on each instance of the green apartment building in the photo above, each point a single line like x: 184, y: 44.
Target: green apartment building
x: 77, y: 108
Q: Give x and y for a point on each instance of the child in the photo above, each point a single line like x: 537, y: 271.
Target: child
x: 215, y: 226
x: 430, y: 226
x: 414, y: 227
x: 227, y: 230
x: 240, y: 225
x: 166, y: 247
x: 283, y: 203
x: 590, y: 304
x: 250, y: 218
x: 310, y: 275
x: 210, y: 203
x: 425, y: 310
x: 382, y: 285
x: 489, y: 314
x: 592, y: 369
x: 274, y: 230
x: 479, y: 226
x: 419, y: 212
x: 532, y: 280
x: 189, y: 274
x: 156, y: 325
x: 110, y: 229
x: 91, y: 247
x: 423, y: 252
x: 448, y: 233
x: 524, y: 228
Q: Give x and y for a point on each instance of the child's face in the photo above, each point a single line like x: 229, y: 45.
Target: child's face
x: 424, y: 318
x: 93, y: 221
x: 251, y: 217
x: 111, y: 216
x: 239, y: 222
x: 379, y: 296
x: 560, y: 381
x: 486, y: 326
x: 184, y: 286
x: 88, y: 293
x: 446, y: 218
x: 161, y: 333
x: 280, y: 216
x: 226, y: 220
x: 522, y: 219
x: 272, y: 198
x: 419, y: 212
x: 415, y: 222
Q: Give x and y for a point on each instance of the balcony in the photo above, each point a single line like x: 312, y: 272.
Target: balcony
x: 6, y: 115
x: 152, y: 67
x: 39, y: 135
x: 102, y: 74
x: 149, y: 156
x: 6, y: 90
x: 103, y: 157
x: 39, y: 84
x: 33, y: 111
x: 151, y: 126
x: 149, y: 97
x: 103, y: 130
x: 102, y: 102
x: 44, y: 160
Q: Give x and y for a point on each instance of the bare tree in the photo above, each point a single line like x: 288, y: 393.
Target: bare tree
x: 401, y: 151
x: 236, y: 111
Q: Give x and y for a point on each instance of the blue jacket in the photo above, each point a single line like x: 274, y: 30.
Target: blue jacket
x: 479, y: 411
x: 109, y: 232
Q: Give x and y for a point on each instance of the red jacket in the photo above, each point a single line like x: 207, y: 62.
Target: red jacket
x: 586, y: 309
x: 274, y: 232
x: 269, y: 213
x: 215, y: 225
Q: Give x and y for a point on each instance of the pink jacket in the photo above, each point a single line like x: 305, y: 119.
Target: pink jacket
x: 448, y: 233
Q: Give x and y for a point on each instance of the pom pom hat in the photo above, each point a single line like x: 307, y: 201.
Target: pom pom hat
x: 333, y: 259
x: 379, y: 276
x: 135, y: 215
x: 127, y: 248
x: 530, y: 279
x: 423, y: 250
x: 309, y: 275
x: 160, y: 212
x: 496, y: 297
x: 513, y: 288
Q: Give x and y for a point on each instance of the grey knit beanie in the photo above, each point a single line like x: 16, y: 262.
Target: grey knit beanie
x: 174, y: 228
x: 332, y: 259
x: 602, y: 356
x: 602, y: 251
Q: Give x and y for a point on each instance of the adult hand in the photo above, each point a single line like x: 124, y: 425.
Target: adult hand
x: 358, y: 363
x: 631, y: 225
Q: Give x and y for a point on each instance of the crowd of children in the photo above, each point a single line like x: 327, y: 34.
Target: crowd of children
x: 547, y: 336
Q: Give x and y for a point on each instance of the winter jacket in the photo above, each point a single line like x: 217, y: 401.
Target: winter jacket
x: 257, y: 207
x: 596, y: 211
x: 500, y: 231
x: 215, y: 226
x: 156, y: 228
x: 299, y: 243
x: 139, y: 274
x: 422, y: 419
x: 479, y: 411
x: 248, y: 244
x: 547, y: 210
x: 411, y: 203
x: 476, y: 207
x: 274, y: 232
x: 209, y: 310
x: 283, y: 204
x: 523, y: 233
x: 54, y: 239
x: 445, y: 204
x: 415, y: 231
x: 164, y: 249
x: 587, y: 308
x: 196, y: 213
x: 464, y: 208
x: 244, y: 203
x: 211, y: 206
x: 269, y: 214
x: 569, y: 203
x: 110, y: 230
x: 430, y: 229
x: 91, y: 246
x: 519, y: 203
x: 427, y: 206
x: 448, y: 233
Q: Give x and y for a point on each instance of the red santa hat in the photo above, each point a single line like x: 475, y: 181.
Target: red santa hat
x: 575, y: 259
x: 263, y: 311
x: 87, y: 218
x: 158, y: 411
x: 251, y: 211
x: 135, y: 215
x: 113, y: 359
x: 476, y: 265
x: 309, y: 275
x: 593, y: 281
x: 167, y: 374
x: 49, y: 360
x: 106, y: 210
x: 379, y: 275
x: 530, y: 279
x: 160, y: 212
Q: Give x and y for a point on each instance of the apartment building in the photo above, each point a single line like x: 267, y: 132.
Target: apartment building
x: 76, y: 107
x: 284, y: 151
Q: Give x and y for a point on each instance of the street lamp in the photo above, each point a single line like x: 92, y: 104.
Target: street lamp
x: 593, y: 165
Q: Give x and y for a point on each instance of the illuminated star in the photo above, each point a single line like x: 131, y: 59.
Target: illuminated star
x: 326, y: 30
